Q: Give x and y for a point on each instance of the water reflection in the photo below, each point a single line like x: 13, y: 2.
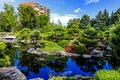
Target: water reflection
x: 34, y: 66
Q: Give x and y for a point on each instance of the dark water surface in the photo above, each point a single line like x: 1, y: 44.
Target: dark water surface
x: 45, y: 67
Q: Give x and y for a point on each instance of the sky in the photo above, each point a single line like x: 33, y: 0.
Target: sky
x: 64, y: 10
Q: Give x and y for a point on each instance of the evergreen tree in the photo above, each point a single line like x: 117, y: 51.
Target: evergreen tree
x: 84, y: 22
x: 102, y: 20
x: 115, y: 40
x: 117, y: 16
x: 112, y: 18
x: 73, y: 22
x: 106, y: 17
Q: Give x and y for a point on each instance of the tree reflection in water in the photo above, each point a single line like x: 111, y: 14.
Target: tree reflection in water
x: 58, y: 65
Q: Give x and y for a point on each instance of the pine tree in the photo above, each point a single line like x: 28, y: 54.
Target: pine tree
x: 84, y: 22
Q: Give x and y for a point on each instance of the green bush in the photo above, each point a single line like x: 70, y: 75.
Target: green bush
x: 50, y: 46
x: 107, y: 75
x: 63, y: 43
x: 92, y: 42
x: 83, y: 40
x: 81, y: 49
x: 5, y: 61
x: 2, y: 46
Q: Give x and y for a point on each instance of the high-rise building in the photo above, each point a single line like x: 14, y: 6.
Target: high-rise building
x: 41, y: 10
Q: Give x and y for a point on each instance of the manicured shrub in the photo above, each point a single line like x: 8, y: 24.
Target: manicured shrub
x: 107, y: 75
x: 50, y: 46
x: 81, y: 49
x: 63, y: 43
x: 70, y: 49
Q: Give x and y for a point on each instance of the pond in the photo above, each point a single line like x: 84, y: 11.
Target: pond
x: 33, y: 66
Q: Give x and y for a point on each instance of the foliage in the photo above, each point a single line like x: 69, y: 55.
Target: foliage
x: 5, y: 61
x: 107, y: 75
x: 24, y: 34
x: 84, y: 22
x: 27, y: 17
x: 101, y: 20
x: 115, y: 40
x: 74, y: 22
x: 35, y: 34
x: 2, y: 49
x: 115, y: 17
x: 2, y: 46
x: 50, y: 46
x: 58, y: 33
x: 63, y: 43
x: 8, y: 19
x: 81, y: 49
x: 70, y: 49
x: 43, y: 20
x: 90, y: 32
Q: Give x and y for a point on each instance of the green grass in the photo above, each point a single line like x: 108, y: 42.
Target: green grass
x: 107, y: 75
x: 50, y: 46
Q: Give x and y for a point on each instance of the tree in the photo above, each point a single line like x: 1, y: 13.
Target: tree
x: 27, y: 17
x: 84, y: 22
x: 106, y: 18
x: 115, y: 40
x: 72, y: 22
x: 35, y: 35
x: 102, y: 20
x: 90, y: 32
x: 43, y: 20
x: 24, y: 34
x: 115, y: 17
x: 8, y: 19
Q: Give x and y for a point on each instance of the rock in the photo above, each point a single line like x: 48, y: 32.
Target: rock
x: 96, y: 53
x: 86, y: 56
x: 11, y: 73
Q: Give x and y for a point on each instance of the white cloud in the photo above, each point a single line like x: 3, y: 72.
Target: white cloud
x: 63, y: 18
x: 8, y: 0
x: 91, y: 1
x: 77, y: 10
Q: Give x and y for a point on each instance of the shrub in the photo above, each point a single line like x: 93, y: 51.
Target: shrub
x: 63, y: 43
x: 5, y: 61
x: 50, y: 46
x: 81, y: 49
x: 70, y: 49
x: 83, y: 40
x: 2, y: 46
x: 107, y: 75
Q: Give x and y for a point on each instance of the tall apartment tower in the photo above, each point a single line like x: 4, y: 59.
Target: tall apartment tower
x: 41, y: 10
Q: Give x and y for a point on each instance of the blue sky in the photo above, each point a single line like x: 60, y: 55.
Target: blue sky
x: 69, y: 9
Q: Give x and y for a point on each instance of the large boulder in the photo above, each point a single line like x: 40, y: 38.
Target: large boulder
x: 11, y: 73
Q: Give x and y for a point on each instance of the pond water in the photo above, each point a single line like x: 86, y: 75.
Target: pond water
x: 34, y: 66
